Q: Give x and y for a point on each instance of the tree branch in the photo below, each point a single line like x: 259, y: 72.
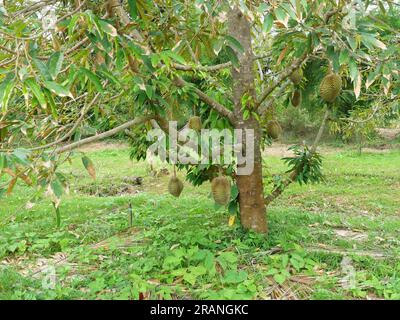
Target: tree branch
x: 272, y: 99
x: 286, y: 73
x: 279, y: 190
x: 103, y: 135
x: 70, y: 132
x: 206, y: 99
x: 216, y: 67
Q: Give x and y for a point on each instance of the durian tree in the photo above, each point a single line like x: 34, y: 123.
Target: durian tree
x: 136, y: 65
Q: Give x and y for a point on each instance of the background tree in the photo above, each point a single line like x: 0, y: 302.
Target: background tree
x: 72, y: 67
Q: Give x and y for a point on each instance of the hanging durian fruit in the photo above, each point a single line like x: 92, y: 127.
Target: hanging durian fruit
x: 175, y: 185
x: 221, y: 190
x: 296, y: 76
x: 195, y: 123
x: 330, y: 87
x: 296, y: 98
x: 274, y: 129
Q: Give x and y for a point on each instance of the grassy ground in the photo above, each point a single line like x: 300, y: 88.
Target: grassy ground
x: 336, y: 240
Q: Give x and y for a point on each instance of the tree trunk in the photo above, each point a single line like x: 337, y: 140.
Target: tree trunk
x: 251, y: 191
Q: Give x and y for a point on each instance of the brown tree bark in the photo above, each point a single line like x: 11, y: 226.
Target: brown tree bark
x: 251, y: 198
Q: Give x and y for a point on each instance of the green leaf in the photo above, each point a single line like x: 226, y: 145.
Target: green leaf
x: 232, y: 276
x: 2, y: 161
x: 108, y: 28
x: 353, y: 69
x: 352, y: 42
x: 72, y: 24
x: 175, y: 57
x: 57, y: 89
x: 370, y: 41
x: 190, y: 278
x: 280, y: 14
x: 35, y: 88
x: 43, y: 69
x: 232, y: 56
x: 234, y: 43
x: 54, y: 64
x: 108, y: 75
x: 52, y: 103
x: 120, y: 59
x: 344, y: 56
x: 22, y: 155
x: 234, y: 191
x: 279, y: 278
x: 93, y: 78
x: 268, y: 22
x: 133, y: 11
x: 217, y: 46
x: 233, y: 207
x: 6, y: 89
x: 57, y: 188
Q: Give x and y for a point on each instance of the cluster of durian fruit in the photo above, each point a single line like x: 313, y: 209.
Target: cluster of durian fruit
x: 220, y: 188
x: 329, y: 90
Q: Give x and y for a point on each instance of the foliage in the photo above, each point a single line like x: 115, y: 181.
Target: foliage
x: 306, y: 164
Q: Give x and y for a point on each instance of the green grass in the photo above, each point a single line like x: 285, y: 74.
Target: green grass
x: 184, y: 248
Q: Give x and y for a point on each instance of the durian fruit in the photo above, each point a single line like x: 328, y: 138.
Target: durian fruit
x: 221, y: 190
x: 330, y: 87
x: 175, y: 186
x: 296, y: 98
x: 195, y: 123
x: 274, y: 129
x: 296, y: 76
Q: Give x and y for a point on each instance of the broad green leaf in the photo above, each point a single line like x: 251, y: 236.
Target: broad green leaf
x: 57, y: 188
x: 175, y: 57
x: 352, y: 42
x: 370, y: 41
x: 72, y: 25
x: 21, y: 155
x: 93, y: 78
x: 35, y: 88
x: 133, y: 11
x: 281, y: 16
x: 2, y: 161
x: 54, y: 64
x: 120, y: 59
x: 344, y: 56
x: 232, y: 56
x: 108, y: 28
x: 279, y: 278
x: 234, y: 43
x: 290, y: 10
x: 57, y: 89
x: 268, y: 22
x: 371, y: 79
x: 233, y: 276
x: 52, y: 103
x: 217, y: 46
x: 353, y: 69
x: 108, y: 75
x: 6, y: 89
x: 43, y: 69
